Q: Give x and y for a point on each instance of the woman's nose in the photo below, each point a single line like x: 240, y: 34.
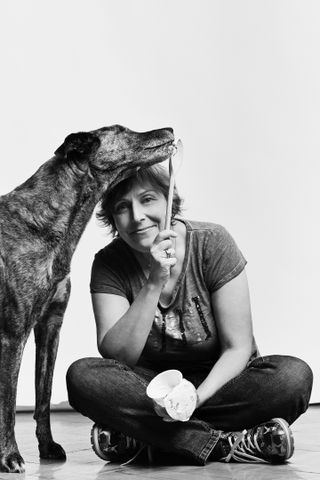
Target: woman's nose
x: 137, y: 212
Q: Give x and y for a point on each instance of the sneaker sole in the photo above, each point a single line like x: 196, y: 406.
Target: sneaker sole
x: 290, y: 442
x: 94, y: 437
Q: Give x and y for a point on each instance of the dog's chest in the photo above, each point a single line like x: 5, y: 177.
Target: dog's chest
x: 33, y: 275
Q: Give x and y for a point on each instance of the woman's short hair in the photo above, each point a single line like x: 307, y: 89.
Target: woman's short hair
x: 156, y: 175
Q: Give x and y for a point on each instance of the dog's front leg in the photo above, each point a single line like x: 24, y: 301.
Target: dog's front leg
x: 47, y: 341
x: 11, y: 349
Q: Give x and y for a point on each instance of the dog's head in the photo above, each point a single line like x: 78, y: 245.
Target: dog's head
x: 115, y: 151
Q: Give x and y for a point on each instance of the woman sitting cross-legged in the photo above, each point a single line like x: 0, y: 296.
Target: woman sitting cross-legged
x: 178, y: 299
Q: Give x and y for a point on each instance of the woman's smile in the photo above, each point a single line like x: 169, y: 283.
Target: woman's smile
x: 142, y: 230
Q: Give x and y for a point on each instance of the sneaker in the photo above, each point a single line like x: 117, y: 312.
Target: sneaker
x: 270, y: 442
x: 114, y: 446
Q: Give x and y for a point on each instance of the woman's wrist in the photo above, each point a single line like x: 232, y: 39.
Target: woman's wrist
x: 153, y: 286
x: 203, y: 396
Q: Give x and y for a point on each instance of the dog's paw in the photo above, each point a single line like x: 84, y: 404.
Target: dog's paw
x: 52, y: 451
x: 11, y: 463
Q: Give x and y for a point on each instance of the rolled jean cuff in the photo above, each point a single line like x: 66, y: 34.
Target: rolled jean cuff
x: 208, y: 448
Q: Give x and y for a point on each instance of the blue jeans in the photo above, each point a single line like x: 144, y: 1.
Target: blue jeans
x: 114, y: 395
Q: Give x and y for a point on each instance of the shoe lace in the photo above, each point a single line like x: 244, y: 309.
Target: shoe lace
x: 142, y: 447
x: 130, y: 444
x: 244, y: 447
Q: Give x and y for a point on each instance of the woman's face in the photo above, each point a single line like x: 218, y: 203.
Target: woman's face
x: 139, y: 215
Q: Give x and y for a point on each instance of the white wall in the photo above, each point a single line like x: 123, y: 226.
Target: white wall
x: 237, y: 79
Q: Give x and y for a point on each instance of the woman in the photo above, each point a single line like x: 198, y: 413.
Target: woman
x: 178, y: 299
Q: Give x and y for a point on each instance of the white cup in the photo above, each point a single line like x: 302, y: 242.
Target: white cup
x: 162, y: 385
x: 169, y: 390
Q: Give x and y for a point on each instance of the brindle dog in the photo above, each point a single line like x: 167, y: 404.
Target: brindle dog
x: 41, y: 222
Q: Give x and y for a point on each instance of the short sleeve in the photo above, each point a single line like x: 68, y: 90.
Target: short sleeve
x: 105, y: 279
x: 223, y: 258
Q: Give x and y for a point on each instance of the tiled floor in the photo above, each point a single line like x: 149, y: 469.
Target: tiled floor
x: 72, y: 431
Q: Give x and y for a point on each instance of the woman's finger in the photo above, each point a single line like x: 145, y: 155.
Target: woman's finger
x: 161, y: 248
x: 170, y: 252
x: 164, y: 235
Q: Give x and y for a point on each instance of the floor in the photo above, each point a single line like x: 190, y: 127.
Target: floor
x: 72, y: 430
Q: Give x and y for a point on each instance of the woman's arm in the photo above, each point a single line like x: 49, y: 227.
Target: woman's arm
x: 232, y: 313
x: 122, y: 329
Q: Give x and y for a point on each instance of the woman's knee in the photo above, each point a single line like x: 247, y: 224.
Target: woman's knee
x: 297, y: 376
x: 77, y: 371
x: 294, y: 386
x: 86, y: 371
x: 286, y: 372
x: 301, y: 380
x: 76, y: 376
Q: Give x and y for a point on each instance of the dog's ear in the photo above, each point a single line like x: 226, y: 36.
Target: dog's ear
x: 78, y: 145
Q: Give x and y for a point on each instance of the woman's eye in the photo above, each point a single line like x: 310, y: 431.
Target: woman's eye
x: 147, y: 199
x: 120, y: 208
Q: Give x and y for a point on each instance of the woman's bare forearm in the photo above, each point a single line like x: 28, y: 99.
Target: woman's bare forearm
x: 231, y: 363
x: 126, y: 339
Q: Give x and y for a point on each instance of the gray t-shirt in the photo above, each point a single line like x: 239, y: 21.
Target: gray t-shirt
x: 184, y: 334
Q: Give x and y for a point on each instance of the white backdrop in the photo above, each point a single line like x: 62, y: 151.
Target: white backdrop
x: 238, y: 80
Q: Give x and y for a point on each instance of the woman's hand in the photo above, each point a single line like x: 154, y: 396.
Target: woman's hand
x: 162, y: 257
